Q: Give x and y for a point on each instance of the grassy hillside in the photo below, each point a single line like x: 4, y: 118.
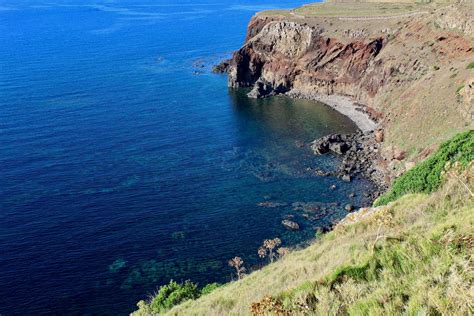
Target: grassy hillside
x: 365, y: 8
x: 412, y: 256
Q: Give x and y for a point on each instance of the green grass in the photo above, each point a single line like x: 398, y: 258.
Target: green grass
x: 470, y: 66
x: 426, y: 176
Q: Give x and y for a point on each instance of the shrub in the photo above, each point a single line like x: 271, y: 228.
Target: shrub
x: 237, y: 263
x: 426, y: 176
x: 209, y: 288
x: 172, y: 294
x: 470, y: 66
x: 268, y: 248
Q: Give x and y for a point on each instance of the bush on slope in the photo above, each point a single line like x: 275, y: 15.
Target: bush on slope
x: 426, y: 176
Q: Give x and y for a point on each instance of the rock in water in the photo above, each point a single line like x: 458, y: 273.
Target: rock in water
x: 271, y: 204
x: 346, y: 178
x: 223, y: 67
x: 349, y: 207
x: 290, y: 224
x: 336, y: 143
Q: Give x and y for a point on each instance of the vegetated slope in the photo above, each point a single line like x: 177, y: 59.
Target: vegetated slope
x: 408, y: 63
x: 412, y: 256
x: 427, y: 176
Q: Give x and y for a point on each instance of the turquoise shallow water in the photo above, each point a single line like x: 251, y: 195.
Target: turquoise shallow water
x: 125, y: 162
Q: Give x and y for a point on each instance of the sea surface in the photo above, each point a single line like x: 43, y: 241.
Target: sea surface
x: 124, y: 162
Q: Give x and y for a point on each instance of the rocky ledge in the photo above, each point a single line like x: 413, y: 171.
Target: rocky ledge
x: 360, y: 156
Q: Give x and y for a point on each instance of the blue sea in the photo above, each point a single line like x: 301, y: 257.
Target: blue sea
x: 125, y: 162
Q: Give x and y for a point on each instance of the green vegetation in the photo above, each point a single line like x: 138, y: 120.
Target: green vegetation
x: 470, y: 66
x: 458, y: 90
x: 172, y: 294
x: 426, y: 176
x: 209, y: 288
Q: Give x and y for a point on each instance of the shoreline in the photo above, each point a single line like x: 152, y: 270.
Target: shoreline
x: 363, y: 154
x: 343, y: 104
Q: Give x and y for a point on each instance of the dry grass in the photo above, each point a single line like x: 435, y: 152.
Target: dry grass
x: 375, y: 8
x: 421, y: 246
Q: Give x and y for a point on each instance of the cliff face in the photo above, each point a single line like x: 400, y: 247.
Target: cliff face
x: 404, y: 68
x: 286, y: 55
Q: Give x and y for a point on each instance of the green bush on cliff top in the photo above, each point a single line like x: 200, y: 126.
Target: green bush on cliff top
x: 426, y: 176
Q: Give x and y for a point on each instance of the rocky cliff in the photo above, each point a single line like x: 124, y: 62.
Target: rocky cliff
x: 287, y: 55
x: 407, y: 69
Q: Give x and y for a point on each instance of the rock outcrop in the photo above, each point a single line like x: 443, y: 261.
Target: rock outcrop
x: 360, y: 156
x: 285, y: 55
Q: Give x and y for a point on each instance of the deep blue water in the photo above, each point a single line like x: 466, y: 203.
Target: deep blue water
x: 124, y: 162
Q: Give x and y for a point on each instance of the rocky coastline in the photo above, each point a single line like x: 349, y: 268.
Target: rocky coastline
x: 360, y: 154
x: 379, y: 75
x: 360, y: 151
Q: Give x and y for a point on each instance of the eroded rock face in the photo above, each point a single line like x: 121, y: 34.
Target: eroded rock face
x: 453, y: 18
x: 281, y: 55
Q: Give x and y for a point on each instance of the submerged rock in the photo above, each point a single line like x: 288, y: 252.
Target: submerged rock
x: 271, y: 204
x: 290, y: 224
x: 307, y: 206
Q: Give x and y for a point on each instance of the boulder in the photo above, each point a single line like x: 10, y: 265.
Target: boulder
x: 346, y: 178
x: 290, y: 224
x: 339, y: 148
